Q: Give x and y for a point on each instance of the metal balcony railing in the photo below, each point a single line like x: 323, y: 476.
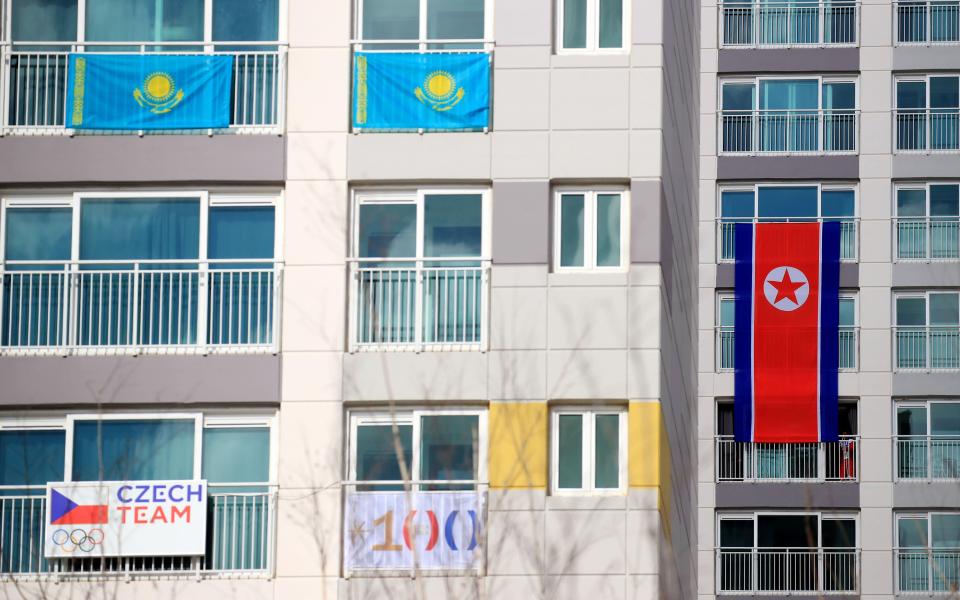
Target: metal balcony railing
x: 789, y: 24
x: 778, y: 571
x: 160, y: 306
x: 419, y: 304
x: 848, y: 355
x: 788, y: 132
x: 927, y: 458
x: 926, y: 23
x: 926, y: 570
x: 241, y: 529
x: 927, y: 238
x: 934, y: 348
x: 814, y: 461
x: 726, y: 235
x: 33, y: 83
x: 927, y: 130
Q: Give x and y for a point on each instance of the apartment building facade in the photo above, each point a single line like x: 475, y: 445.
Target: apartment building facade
x: 406, y: 362
x: 835, y: 111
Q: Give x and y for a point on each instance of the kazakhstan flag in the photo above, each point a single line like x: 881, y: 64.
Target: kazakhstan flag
x: 409, y: 90
x: 149, y: 91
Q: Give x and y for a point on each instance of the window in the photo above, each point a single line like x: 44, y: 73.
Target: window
x: 927, y: 23
x: 766, y: 203
x: 591, y: 26
x: 30, y: 456
x: 928, y: 440
x: 420, y: 20
x: 928, y: 112
x: 591, y: 229
x: 589, y: 450
x: 803, y: 23
x: 426, y: 244
x: 788, y: 115
x: 928, y: 549
x: 420, y: 446
x: 928, y: 221
x: 928, y: 330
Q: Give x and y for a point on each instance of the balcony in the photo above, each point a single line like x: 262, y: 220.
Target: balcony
x: 928, y: 571
x: 926, y: 348
x: 925, y: 23
x: 807, y: 462
x: 780, y: 571
x: 927, y: 239
x: 927, y: 458
x: 34, y: 81
x: 433, y: 304
x: 848, y: 356
x: 726, y: 235
x: 919, y: 130
x: 126, y: 307
x: 786, y: 24
x: 241, y: 530
x: 788, y: 132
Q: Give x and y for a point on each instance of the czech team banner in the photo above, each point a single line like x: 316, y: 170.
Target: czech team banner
x: 786, y: 332
x: 120, y: 518
x: 432, y: 530
x: 409, y: 90
x: 149, y: 91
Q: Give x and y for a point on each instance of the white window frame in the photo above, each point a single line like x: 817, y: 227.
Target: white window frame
x: 590, y: 194
x: 588, y: 451
x: 421, y: 40
x: 917, y: 186
x: 416, y: 197
x: 412, y: 417
x: 925, y: 78
x: 821, y: 516
x: 925, y: 294
x: 821, y: 188
x: 593, y: 30
x: 822, y: 79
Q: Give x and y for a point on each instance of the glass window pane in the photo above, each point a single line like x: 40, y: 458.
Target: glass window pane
x: 132, y: 229
x: 448, y: 448
x: 452, y: 225
x: 738, y: 96
x: 839, y: 96
x: 133, y: 450
x: 571, y: 230
x: 837, y: 203
x: 727, y: 312
x: 377, y: 458
x: 611, y: 23
x: 945, y: 420
x: 574, y: 23
x: 736, y: 533
x: 570, y: 462
x: 944, y: 92
x: 781, y: 531
x: 911, y: 94
x: 38, y: 234
x: 455, y: 19
x: 608, y: 230
x: 912, y: 532
x: 944, y: 200
x: 246, y: 20
x: 391, y: 19
x: 911, y: 312
x: 945, y: 530
x: 388, y: 230
x: 241, y: 232
x: 607, y: 452
x: 31, y: 457
x: 790, y: 94
x: 144, y: 20
x: 775, y: 202
x: 236, y: 454
x: 736, y: 205
x: 911, y: 420
x: 847, y: 312
x: 944, y: 309
x: 839, y: 533
x: 44, y: 20
x: 911, y: 203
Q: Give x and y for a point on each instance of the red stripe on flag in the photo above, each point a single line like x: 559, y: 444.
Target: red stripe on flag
x: 91, y: 514
x: 786, y: 343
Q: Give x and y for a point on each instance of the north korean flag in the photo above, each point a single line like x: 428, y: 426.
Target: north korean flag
x: 786, y: 331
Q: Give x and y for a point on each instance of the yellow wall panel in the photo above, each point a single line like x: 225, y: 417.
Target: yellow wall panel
x: 518, y: 445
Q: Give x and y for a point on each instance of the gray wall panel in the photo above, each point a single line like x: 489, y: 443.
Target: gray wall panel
x: 759, y: 168
x: 926, y: 384
x: 48, y: 381
x: 926, y: 275
x: 521, y: 222
x: 150, y: 159
x: 645, y: 221
x: 788, y: 495
x: 786, y: 60
x: 925, y: 59
x: 945, y: 495
x: 917, y: 166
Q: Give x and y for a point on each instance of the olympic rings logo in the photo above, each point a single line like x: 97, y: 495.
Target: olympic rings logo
x: 69, y: 541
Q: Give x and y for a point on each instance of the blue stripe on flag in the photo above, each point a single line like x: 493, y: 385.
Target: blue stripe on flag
x: 829, y: 329
x: 743, y: 329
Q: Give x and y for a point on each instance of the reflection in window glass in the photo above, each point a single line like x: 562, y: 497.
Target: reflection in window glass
x: 574, y: 24
x: 608, y: 230
x: 912, y: 312
x: 944, y: 309
x: 236, y: 454
x: 944, y: 200
x: 391, y: 19
x: 452, y: 225
x: 455, y: 19
x: 377, y: 458
x: 44, y: 20
x: 246, y: 20
x: 448, y: 448
x: 31, y: 457
x: 912, y: 532
x: 388, y: 230
x: 611, y: 23
x: 241, y: 232
x: 125, y: 450
x: 945, y: 420
x: 787, y: 202
x: 570, y: 465
x: 607, y: 452
x: 132, y: 229
x: 945, y: 530
x: 571, y: 230
x: 911, y: 420
x: 38, y: 234
x: 144, y: 20
x: 911, y: 203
